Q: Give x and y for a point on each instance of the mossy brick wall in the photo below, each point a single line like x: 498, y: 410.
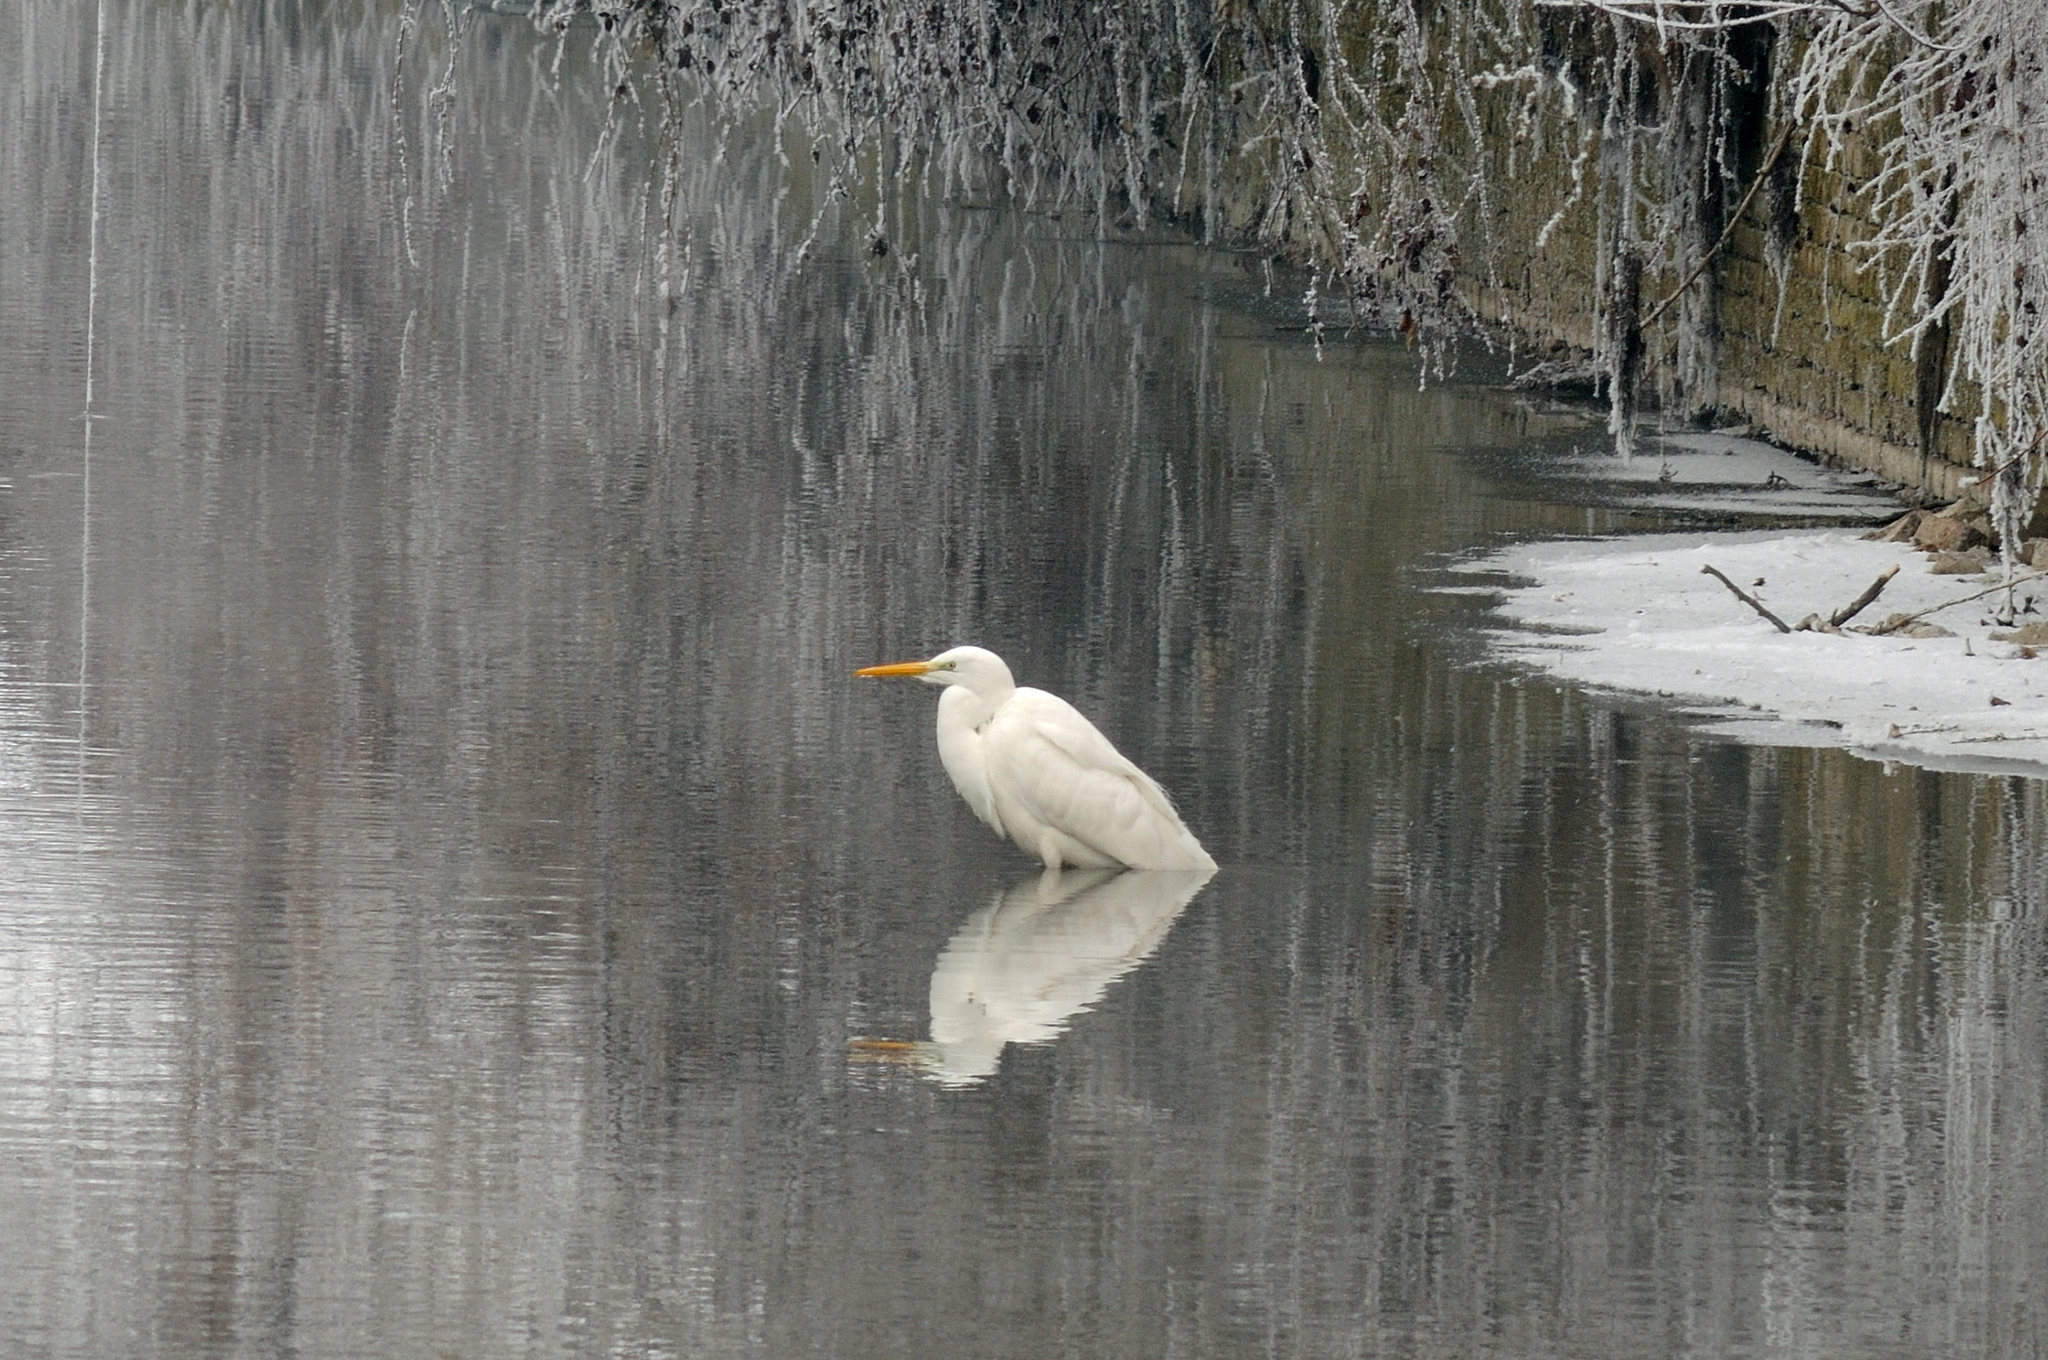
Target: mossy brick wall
x: 1548, y: 291
x: 1808, y: 362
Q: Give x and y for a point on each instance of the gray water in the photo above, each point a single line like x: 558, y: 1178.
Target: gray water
x: 454, y: 899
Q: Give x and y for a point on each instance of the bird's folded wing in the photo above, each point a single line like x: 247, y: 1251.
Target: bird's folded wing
x: 1070, y: 777
x: 1089, y: 749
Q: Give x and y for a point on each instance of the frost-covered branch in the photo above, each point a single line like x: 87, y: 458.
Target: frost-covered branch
x: 1947, y: 100
x: 1957, y: 203
x: 1365, y: 137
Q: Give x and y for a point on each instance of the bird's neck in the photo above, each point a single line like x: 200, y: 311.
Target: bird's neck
x: 963, y: 707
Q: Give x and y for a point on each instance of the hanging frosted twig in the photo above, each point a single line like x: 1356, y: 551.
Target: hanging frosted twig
x: 1763, y: 172
x: 1720, y: 16
x: 1349, y: 135
x: 1947, y: 98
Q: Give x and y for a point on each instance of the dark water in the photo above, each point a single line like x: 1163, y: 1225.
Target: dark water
x: 450, y: 885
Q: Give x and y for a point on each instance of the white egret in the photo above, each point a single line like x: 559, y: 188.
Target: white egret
x: 1038, y: 772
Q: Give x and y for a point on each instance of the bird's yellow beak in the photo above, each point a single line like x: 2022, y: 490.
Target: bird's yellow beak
x: 895, y: 668
x: 886, y: 1052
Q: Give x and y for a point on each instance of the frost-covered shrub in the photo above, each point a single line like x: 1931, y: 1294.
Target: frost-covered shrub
x: 1959, y: 89
x: 1187, y: 109
x: 1949, y: 100
x: 1353, y: 131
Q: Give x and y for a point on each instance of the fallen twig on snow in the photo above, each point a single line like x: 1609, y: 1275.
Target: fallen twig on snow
x: 1747, y: 599
x: 1861, y: 602
x: 1814, y: 623
x: 1898, y: 621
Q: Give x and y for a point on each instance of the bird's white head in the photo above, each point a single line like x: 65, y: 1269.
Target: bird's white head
x: 972, y: 668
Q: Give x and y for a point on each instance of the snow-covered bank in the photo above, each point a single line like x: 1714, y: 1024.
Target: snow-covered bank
x: 1724, y: 473
x: 1640, y: 614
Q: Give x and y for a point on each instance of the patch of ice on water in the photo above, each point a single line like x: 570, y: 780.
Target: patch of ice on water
x: 1642, y: 616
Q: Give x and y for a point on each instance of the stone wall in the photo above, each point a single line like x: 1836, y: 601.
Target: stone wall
x: 1800, y: 353
x: 1809, y: 361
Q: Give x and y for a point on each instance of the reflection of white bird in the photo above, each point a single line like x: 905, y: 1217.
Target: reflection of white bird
x: 1021, y: 967
x: 1038, y: 772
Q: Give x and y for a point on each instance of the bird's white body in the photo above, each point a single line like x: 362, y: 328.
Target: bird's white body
x: 1038, y: 772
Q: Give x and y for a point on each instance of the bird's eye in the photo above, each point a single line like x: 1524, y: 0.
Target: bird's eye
x: 949, y: 666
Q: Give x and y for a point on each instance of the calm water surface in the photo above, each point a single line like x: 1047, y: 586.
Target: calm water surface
x: 450, y: 886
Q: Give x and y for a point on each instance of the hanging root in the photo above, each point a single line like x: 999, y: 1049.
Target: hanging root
x: 1625, y: 352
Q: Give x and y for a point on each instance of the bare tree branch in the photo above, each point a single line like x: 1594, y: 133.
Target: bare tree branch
x: 1747, y: 599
